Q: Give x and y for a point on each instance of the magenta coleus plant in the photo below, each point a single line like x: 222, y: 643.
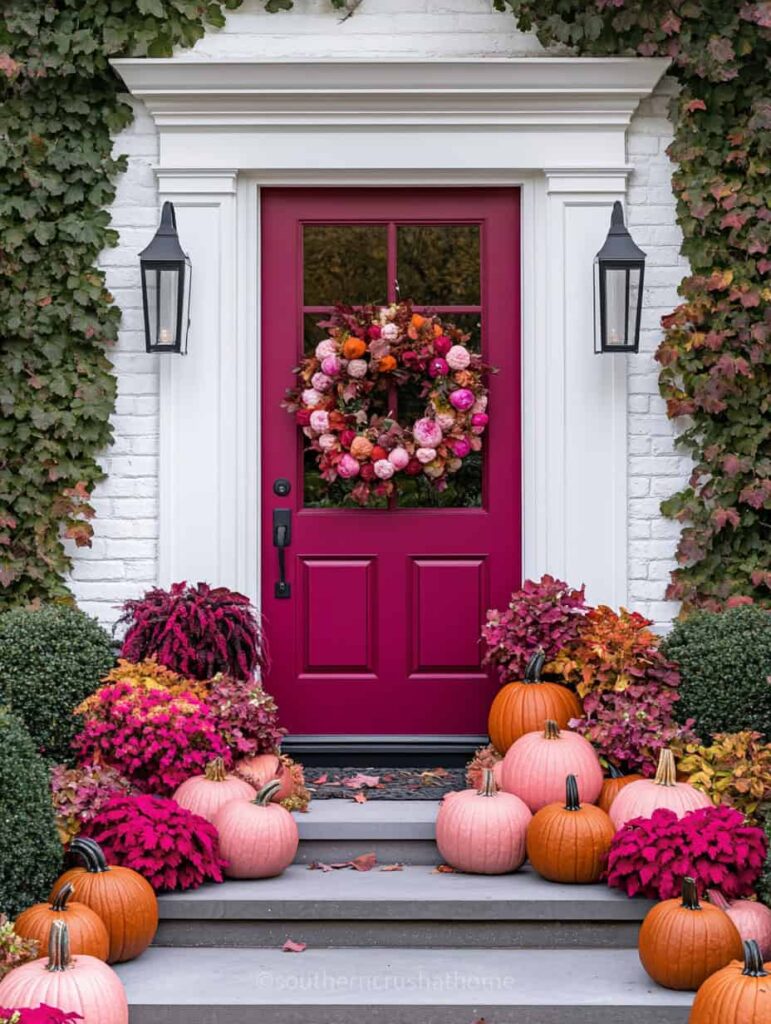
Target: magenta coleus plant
x: 651, y: 856
x: 195, y: 631
x: 39, y: 1015
x: 247, y: 716
x: 172, y: 847
x: 155, y: 739
x: 544, y: 615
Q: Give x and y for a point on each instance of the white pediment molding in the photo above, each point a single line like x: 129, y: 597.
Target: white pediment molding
x: 530, y: 90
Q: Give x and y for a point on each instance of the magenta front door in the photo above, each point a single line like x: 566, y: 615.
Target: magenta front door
x: 380, y: 632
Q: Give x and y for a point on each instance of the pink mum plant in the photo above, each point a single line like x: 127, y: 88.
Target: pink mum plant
x: 545, y: 614
x: 172, y: 847
x: 651, y: 856
x: 40, y: 1015
x: 156, y: 739
x: 195, y: 631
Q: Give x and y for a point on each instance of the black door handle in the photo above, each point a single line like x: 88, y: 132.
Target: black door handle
x: 282, y: 538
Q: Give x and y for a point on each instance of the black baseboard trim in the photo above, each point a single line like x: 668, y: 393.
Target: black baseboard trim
x: 413, y: 751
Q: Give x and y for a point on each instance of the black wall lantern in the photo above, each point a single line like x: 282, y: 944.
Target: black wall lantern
x: 166, y: 273
x: 619, y: 269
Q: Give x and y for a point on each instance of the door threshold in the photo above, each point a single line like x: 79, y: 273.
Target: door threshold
x: 386, y: 750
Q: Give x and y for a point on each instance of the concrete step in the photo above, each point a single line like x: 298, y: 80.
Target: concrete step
x: 398, y: 830
x: 396, y: 986
x: 414, y: 907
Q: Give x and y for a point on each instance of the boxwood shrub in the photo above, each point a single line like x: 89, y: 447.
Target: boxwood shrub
x: 30, y: 851
x: 50, y: 660
x: 725, y: 663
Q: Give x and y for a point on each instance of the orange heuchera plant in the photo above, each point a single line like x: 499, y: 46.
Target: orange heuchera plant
x: 734, y: 769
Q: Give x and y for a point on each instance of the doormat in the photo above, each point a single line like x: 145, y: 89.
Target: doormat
x: 364, y: 784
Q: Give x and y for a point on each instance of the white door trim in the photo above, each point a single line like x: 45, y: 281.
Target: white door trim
x: 553, y: 127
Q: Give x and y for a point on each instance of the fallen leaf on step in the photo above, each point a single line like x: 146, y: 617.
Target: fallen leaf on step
x: 434, y: 776
x: 359, y: 798
x: 358, y: 781
x: 364, y: 862
x: 320, y: 780
x: 443, y: 869
x: 392, y: 867
x: 319, y: 865
x: 290, y: 946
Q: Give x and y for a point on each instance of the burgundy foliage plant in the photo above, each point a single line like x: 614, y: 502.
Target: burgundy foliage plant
x: 247, y: 716
x: 170, y: 846
x: 545, y: 614
x: 195, y: 631
x: 651, y: 856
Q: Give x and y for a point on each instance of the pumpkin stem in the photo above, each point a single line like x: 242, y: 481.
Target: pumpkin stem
x: 215, y: 770
x: 58, y: 948
x: 534, y: 667
x: 489, y: 787
x: 614, y: 772
x: 666, y: 774
x: 91, y: 854
x: 267, y: 793
x: 717, y: 899
x: 690, y: 895
x: 551, y: 730
x: 59, y: 902
x: 572, y: 802
x: 753, y: 961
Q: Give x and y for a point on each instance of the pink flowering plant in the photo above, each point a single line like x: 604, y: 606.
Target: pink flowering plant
x: 195, y: 631
x: 651, y: 856
x: 172, y: 847
x: 247, y: 716
x: 544, y: 614
x: 156, y: 739
x: 80, y: 793
x: 39, y: 1015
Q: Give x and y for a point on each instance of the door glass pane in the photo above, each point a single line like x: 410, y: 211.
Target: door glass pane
x: 438, y: 264
x: 345, y: 263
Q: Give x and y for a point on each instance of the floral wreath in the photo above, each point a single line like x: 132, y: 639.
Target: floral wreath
x: 368, y: 352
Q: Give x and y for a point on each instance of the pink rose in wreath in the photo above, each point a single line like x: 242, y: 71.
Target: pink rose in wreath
x: 384, y: 470
x: 357, y: 368
x: 348, y: 467
x: 462, y: 399
x: 310, y: 397
x: 361, y: 447
x: 368, y: 471
x: 427, y: 433
x: 398, y: 458
x: 442, y: 345
x: 347, y: 437
x: 327, y: 347
x: 458, y: 357
x: 321, y: 382
x: 438, y: 367
x: 320, y: 421
x: 461, y: 446
x: 479, y: 419
x: 330, y: 365
x: 445, y: 420
x: 425, y: 455
x: 390, y: 332
x: 327, y: 442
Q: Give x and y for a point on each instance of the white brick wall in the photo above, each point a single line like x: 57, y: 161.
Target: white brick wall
x: 123, y: 559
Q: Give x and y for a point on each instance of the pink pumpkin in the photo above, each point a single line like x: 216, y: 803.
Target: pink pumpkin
x: 752, y: 919
x: 205, y: 794
x: 263, y: 768
x: 483, y: 831
x: 258, y: 838
x: 640, y: 799
x: 81, y: 985
x: 536, y: 765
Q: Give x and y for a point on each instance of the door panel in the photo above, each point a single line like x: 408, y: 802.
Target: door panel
x: 380, y: 632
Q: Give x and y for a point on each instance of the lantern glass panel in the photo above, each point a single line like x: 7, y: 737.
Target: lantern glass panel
x: 168, y: 307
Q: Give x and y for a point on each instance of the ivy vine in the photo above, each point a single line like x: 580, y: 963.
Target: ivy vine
x: 60, y: 106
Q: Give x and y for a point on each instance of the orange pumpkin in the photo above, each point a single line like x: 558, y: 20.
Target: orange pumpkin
x: 738, y: 994
x: 88, y: 934
x: 682, y: 942
x: 613, y: 785
x: 354, y: 348
x: 568, y: 843
x: 524, y: 705
x: 640, y: 799
x: 123, y: 899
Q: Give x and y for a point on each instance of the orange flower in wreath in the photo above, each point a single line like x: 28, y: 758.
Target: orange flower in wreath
x: 353, y: 348
x: 386, y: 364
